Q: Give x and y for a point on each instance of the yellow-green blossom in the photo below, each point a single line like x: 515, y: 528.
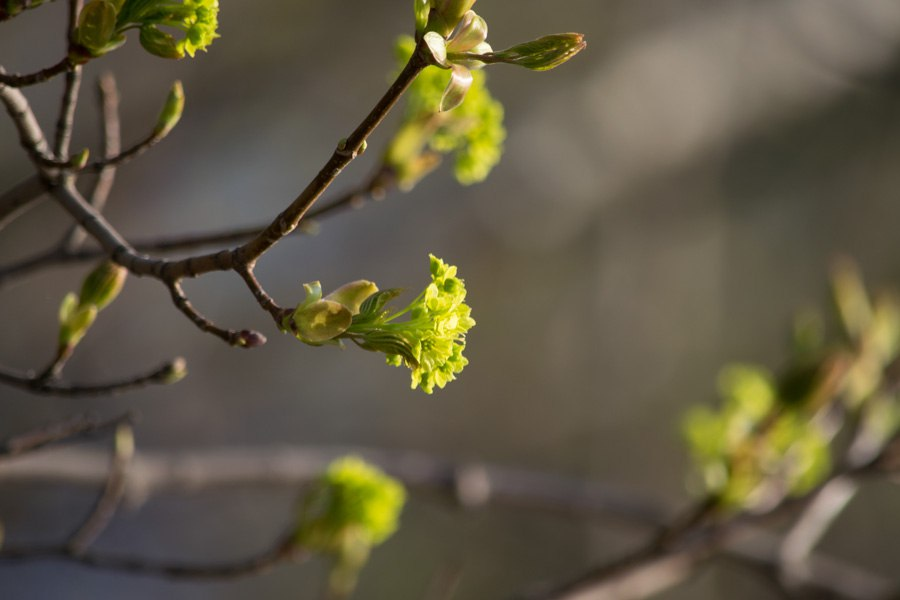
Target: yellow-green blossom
x: 431, y: 341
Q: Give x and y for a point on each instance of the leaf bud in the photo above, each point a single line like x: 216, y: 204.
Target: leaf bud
x: 102, y: 285
x: 171, y: 112
x: 541, y: 54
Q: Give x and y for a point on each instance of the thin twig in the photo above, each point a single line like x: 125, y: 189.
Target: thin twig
x: 284, y: 550
x: 376, y: 187
x: 16, y: 80
x: 109, y: 108
x: 242, y: 339
x: 67, y: 113
x: 160, y: 376
x: 105, y: 508
x: 59, y: 431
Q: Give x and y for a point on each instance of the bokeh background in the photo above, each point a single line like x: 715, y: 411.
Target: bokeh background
x: 666, y: 202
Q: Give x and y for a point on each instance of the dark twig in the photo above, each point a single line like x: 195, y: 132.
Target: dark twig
x: 59, y: 431
x: 376, y: 187
x: 284, y: 550
x: 244, y: 338
x: 31, y: 383
x: 113, y: 492
x: 16, y: 80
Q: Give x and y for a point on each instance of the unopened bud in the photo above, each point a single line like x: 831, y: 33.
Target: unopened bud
x: 251, y: 339
x: 79, y: 160
x: 446, y: 14
x: 160, y: 43
x: 352, y: 295
x: 96, y: 26
x: 175, y: 371
x: 171, y: 112
x: 76, y: 326
x: 541, y: 54
x: 102, y: 285
x: 321, y: 321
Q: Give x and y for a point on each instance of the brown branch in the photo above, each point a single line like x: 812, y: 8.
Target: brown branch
x: 471, y: 485
x: 38, y: 385
x: 105, y: 508
x: 59, y: 431
x: 16, y: 80
x: 347, y: 150
x: 376, y: 187
x: 244, y: 338
x: 283, y: 551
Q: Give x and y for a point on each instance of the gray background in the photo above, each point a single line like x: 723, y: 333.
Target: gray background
x: 666, y: 202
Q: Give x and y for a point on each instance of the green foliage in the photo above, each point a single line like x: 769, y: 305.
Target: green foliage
x: 752, y: 449
x: 473, y: 131
x: 431, y: 341
x: 769, y: 437
x: 351, y: 509
x: 102, y: 25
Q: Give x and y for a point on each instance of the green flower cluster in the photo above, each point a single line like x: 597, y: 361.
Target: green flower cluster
x: 754, y: 450
x: 473, y: 131
x: 102, y: 25
x: 431, y: 341
x: 353, y: 505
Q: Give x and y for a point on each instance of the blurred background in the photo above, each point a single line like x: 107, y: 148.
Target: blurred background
x: 667, y: 201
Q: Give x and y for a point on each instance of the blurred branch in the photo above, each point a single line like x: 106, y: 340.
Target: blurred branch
x: 41, y: 385
x: 66, y: 430
x: 283, y: 551
x: 105, y: 508
x: 656, y: 566
x: 646, y: 571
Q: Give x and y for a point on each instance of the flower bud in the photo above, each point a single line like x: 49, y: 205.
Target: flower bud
x: 96, y: 26
x: 102, y: 285
x: 175, y: 371
x: 543, y: 53
x: 76, y: 325
x: 171, y: 112
x: 160, y: 43
x: 352, y: 295
x: 446, y: 14
x: 320, y: 321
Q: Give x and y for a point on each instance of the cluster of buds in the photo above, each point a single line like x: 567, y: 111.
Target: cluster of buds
x: 457, y: 39
x: 78, y: 312
x: 430, y: 341
x: 350, y: 509
x: 102, y: 25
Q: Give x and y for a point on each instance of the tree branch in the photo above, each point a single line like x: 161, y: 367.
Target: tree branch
x: 74, y: 427
x: 38, y: 385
